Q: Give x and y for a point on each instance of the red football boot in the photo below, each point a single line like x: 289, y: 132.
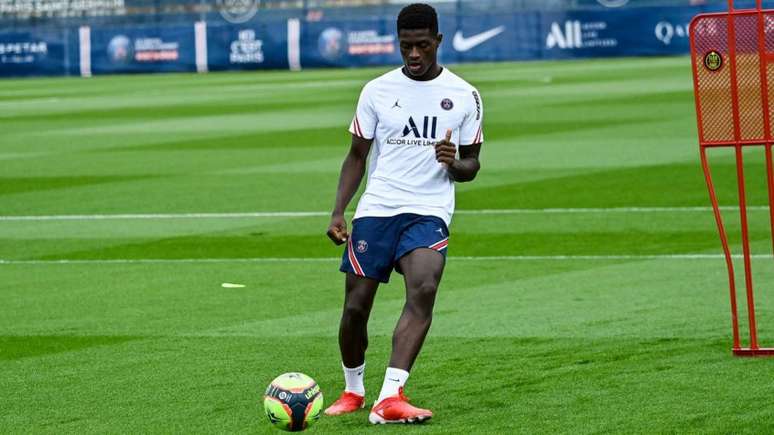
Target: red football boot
x: 397, y: 409
x: 348, y: 402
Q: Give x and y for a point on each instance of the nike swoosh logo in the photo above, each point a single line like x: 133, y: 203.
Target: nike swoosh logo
x: 462, y: 43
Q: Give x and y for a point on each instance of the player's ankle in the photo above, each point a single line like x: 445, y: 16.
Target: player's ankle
x: 394, y: 380
x: 353, y: 379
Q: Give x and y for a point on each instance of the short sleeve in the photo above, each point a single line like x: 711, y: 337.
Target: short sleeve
x: 364, y: 122
x: 472, y: 132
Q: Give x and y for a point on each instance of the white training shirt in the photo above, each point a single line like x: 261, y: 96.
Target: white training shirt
x: 406, y: 118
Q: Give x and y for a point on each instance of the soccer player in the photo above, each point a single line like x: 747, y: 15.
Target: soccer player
x: 410, y: 120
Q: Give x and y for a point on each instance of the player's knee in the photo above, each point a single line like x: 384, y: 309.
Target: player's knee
x: 426, y: 290
x: 356, y: 312
x: 422, y: 297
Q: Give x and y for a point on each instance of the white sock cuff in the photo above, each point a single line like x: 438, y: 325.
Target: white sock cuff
x: 354, y: 369
x: 394, y: 379
x: 353, y: 378
x: 398, y: 373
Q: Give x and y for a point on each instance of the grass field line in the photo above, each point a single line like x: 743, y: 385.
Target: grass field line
x: 512, y: 211
x: 259, y: 260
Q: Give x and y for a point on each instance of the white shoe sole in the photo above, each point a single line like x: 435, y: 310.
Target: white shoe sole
x: 344, y: 413
x: 377, y: 419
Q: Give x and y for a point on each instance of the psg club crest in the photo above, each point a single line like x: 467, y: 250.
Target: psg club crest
x: 447, y: 104
x: 362, y: 246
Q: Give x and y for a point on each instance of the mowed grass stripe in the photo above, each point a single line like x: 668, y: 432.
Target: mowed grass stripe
x: 259, y: 243
x: 260, y: 187
x: 690, y: 257
x: 152, y: 216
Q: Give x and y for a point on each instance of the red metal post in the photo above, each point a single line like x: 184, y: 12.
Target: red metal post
x: 740, y: 179
x: 746, y: 249
x: 726, y: 248
x: 716, y: 205
x: 763, y: 63
x: 770, y: 179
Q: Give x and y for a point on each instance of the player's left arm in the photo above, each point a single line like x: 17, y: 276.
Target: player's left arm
x: 471, y: 136
x: 466, y: 167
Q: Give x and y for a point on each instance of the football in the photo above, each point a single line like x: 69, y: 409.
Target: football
x: 293, y: 402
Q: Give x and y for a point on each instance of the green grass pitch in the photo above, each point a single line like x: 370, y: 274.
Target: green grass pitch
x: 590, y: 318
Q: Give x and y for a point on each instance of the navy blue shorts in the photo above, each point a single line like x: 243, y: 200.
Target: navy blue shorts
x: 377, y: 243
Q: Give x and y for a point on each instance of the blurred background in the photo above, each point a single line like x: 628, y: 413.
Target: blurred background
x: 85, y: 37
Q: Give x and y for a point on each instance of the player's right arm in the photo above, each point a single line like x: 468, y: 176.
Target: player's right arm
x: 363, y: 129
x: 352, y: 172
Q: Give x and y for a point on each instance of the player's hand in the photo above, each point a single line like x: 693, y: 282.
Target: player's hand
x: 445, y: 150
x: 337, y: 230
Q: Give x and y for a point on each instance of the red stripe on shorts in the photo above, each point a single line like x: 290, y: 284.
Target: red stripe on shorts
x: 353, y: 259
x: 440, y: 245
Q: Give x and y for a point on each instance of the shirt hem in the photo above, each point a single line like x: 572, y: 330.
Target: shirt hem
x: 444, y: 216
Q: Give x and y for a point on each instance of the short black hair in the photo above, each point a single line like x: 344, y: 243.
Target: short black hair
x: 418, y: 16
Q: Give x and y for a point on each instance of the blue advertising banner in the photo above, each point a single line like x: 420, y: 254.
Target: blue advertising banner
x: 490, y: 38
x: 143, y: 50
x: 621, y: 32
x: 643, y: 31
x: 349, y: 43
x: 247, y: 46
x: 33, y: 52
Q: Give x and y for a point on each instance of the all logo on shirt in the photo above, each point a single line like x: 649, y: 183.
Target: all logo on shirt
x: 411, y: 127
x: 418, y: 134
x: 447, y: 104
